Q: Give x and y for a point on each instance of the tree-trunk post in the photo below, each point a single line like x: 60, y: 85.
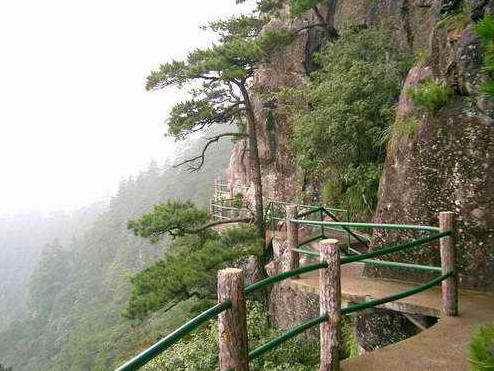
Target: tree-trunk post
x: 292, y: 238
x: 330, y: 305
x: 233, y: 342
x: 448, y: 264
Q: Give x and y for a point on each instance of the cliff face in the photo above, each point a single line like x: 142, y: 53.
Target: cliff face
x: 447, y: 165
x: 411, y: 23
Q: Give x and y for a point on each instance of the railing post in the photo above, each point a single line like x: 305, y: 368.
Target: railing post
x: 233, y: 342
x: 292, y: 237
x: 448, y: 264
x: 330, y: 305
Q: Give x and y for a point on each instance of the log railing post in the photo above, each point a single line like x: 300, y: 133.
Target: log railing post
x: 330, y: 305
x: 233, y: 342
x: 448, y: 264
x: 292, y: 238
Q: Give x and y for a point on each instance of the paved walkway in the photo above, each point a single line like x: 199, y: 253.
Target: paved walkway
x: 440, y: 347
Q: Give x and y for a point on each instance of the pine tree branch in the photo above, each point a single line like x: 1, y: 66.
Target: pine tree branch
x: 318, y: 14
x: 195, y: 163
x: 222, y: 222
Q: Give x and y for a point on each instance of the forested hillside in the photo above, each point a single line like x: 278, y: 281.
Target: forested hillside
x: 81, y: 283
x: 22, y: 237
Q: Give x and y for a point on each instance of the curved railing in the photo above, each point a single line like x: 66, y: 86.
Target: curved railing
x: 447, y: 271
x: 276, y: 211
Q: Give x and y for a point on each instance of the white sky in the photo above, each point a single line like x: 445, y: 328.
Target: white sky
x: 74, y: 115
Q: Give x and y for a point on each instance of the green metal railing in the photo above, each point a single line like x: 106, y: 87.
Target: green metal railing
x: 276, y: 211
x: 165, y: 343
x: 171, y: 339
x: 294, y: 331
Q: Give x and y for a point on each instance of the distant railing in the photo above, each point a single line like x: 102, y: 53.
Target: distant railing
x: 231, y: 309
x: 277, y: 211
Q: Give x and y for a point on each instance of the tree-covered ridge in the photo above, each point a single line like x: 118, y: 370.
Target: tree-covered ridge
x: 81, y: 286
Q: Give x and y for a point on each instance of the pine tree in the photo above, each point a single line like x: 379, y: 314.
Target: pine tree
x: 218, y: 78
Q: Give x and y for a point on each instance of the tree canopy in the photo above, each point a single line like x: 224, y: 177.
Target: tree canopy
x: 217, y: 81
x: 188, y: 269
x: 217, y: 75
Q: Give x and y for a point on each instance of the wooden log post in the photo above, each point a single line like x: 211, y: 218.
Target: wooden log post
x: 233, y: 342
x: 448, y: 264
x: 330, y: 305
x: 292, y: 238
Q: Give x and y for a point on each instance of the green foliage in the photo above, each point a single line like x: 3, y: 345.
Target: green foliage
x: 244, y: 26
x: 481, y: 349
x: 271, y: 7
x: 353, y: 188
x: 457, y: 19
x: 431, y: 95
x: 299, y: 7
x: 404, y: 128
x: 174, y: 217
x: 485, y: 30
x: 352, y: 101
x: 81, y: 285
x: 220, y: 71
x: 200, y: 350
x: 188, y: 269
x: 238, y: 200
x: 349, y: 339
x: 421, y: 57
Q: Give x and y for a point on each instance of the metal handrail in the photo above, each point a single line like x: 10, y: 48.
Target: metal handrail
x: 283, y: 276
x: 368, y: 225
x: 294, y: 331
x: 147, y: 355
x: 354, y: 235
x: 401, y: 295
x: 393, y: 249
x: 176, y: 335
x: 298, y: 329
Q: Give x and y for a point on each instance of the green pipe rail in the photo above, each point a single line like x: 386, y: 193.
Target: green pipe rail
x: 294, y: 331
x: 214, y: 311
x: 321, y: 211
x: 367, y: 225
x: 150, y: 353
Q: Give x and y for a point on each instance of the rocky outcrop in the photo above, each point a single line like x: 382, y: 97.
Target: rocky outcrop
x: 447, y: 165
x: 411, y: 23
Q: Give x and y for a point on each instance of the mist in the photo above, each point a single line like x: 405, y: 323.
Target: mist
x: 75, y: 117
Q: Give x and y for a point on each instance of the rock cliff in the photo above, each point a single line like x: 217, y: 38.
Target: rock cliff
x: 447, y: 165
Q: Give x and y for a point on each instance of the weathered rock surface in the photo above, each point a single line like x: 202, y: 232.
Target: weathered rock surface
x: 447, y: 166
x: 412, y: 23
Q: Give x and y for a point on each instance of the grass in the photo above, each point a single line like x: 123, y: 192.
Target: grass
x: 431, y: 95
x: 485, y: 30
x: 458, y: 19
x: 481, y: 349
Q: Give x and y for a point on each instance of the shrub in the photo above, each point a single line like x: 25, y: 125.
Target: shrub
x: 199, y: 351
x: 431, y: 95
x: 458, y: 19
x: 238, y: 200
x: 403, y: 128
x: 351, y: 100
x: 485, y: 30
x: 481, y: 350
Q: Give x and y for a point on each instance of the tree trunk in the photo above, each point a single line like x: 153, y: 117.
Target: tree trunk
x: 255, y: 165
